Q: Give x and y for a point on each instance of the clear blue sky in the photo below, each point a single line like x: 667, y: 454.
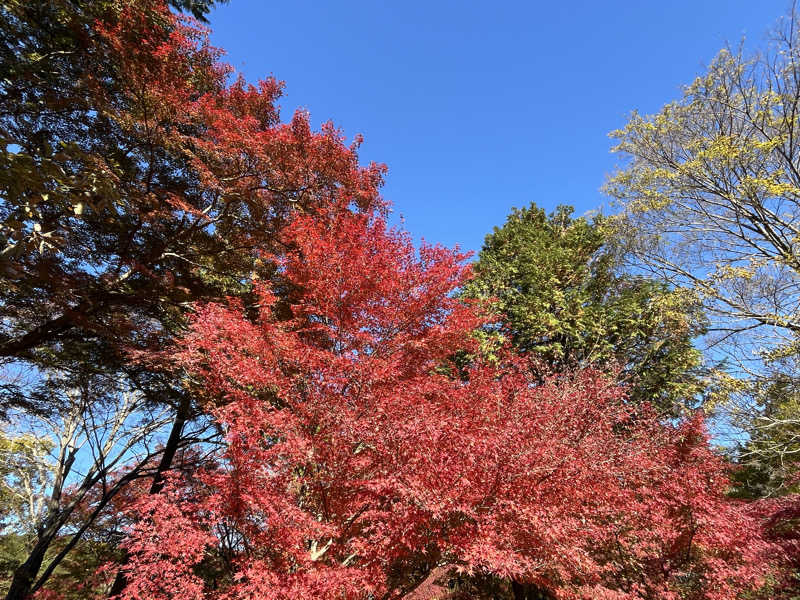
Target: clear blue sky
x: 480, y: 106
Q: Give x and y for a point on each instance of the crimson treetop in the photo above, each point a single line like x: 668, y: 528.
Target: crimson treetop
x: 360, y: 462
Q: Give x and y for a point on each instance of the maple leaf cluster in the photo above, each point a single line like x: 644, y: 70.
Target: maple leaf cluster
x: 360, y: 458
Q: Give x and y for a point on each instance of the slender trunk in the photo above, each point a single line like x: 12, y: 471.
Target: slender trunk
x: 56, y: 560
x: 164, y: 465
x: 25, y: 575
x: 173, y: 441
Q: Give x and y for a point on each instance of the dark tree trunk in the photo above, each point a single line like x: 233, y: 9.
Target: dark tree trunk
x: 164, y: 465
x: 25, y: 574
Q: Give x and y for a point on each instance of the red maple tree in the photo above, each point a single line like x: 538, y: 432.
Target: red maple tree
x: 139, y: 176
x: 363, y: 461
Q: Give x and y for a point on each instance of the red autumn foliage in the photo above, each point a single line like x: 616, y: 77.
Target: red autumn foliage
x: 781, y: 526
x: 171, y: 173
x: 359, y: 459
x: 150, y: 178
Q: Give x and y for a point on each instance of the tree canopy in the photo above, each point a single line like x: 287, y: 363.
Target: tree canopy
x: 226, y: 377
x: 556, y: 282
x: 356, y: 467
x: 710, y: 201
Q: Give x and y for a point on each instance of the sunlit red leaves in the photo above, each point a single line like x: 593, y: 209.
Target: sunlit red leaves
x: 358, y: 458
x: 249, y: 171
x: 353, y: 455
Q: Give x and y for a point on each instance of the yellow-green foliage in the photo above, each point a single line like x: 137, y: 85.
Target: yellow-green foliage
x: 24, y: 470
x: 710, y: 199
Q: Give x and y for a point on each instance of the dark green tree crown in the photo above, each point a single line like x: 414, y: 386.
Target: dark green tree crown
x: 556, y: 281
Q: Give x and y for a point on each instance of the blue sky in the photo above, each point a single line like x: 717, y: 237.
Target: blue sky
x: 480, y: 106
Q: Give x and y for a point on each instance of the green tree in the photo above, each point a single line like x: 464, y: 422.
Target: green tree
x: 24, y: 475
x: 556, y: 284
